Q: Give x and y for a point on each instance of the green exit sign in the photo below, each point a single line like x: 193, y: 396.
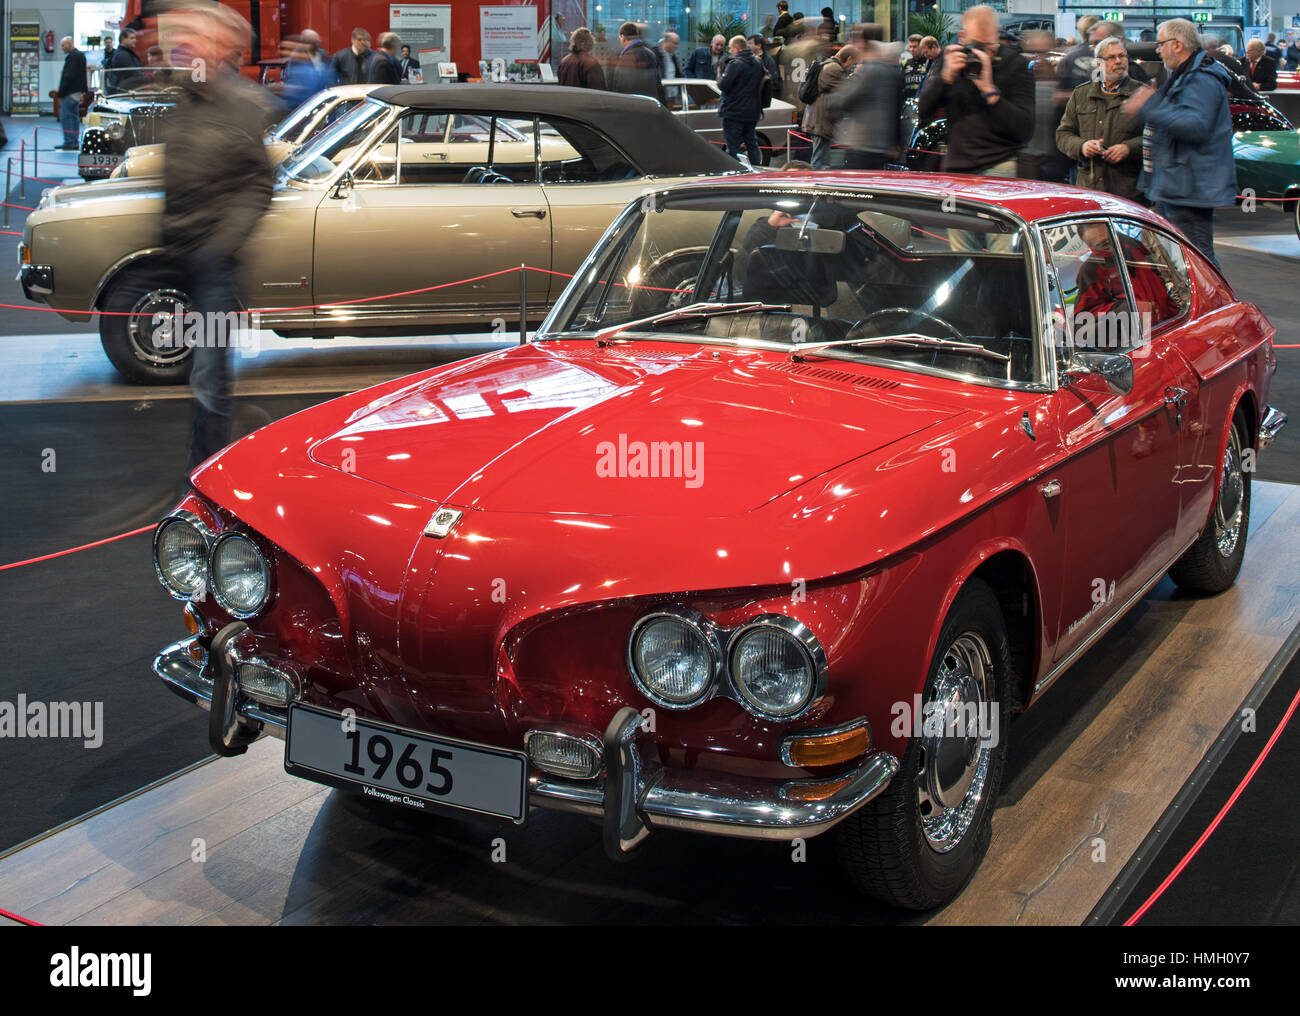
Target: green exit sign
x: 1201, y: 15
x: 1112, y: 15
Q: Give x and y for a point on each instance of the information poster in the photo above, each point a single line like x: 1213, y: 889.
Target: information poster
x: 426, y: 28
x: 508, y: 33
x: 25, y: 68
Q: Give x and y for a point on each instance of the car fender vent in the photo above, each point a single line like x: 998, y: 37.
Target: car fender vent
x: 844, y: 377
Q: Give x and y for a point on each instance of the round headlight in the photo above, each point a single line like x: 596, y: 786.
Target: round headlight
x: 241, y: 577
x: 180, y: 555
x: 671, y: 660
x: 776, y: 667
x: 116, y: 131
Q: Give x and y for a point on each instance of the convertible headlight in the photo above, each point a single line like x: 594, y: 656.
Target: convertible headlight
x: 672, y: 660
x: 777, y: 666
x: 241, y: 577
x: 116, y: 131
x: 180, y: 556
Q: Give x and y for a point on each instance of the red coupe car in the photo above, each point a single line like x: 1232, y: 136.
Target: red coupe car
x: 807, y: 483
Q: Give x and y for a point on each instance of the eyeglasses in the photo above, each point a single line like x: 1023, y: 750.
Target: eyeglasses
x: 1163, y: 42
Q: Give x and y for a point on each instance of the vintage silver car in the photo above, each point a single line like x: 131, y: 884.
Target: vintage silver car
x: 695, y: 101
x: 295, y: 130
x: 450, y: 182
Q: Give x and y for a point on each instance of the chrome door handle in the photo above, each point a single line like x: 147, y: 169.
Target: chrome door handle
x: 1176, y: 397
x: 525, y: 213
x: 1050, y: 489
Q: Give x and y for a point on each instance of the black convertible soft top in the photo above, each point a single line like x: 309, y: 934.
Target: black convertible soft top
x: 658, y: 142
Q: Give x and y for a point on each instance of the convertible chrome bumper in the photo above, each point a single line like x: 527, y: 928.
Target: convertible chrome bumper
x: 637, y: 795
x: 1274, y: 420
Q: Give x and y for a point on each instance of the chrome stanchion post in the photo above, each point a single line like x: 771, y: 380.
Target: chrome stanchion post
x: 523, y: 305
x: 22, y: 170
x: 9, y: 172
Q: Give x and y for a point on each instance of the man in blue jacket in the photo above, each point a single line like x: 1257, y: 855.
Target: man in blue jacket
x: 1187, y: 167
x: 740, y: 108
x: 706, y: 61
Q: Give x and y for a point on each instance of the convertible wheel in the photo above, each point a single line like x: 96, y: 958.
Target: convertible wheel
x: 1211, y: 563
x: 141, y: 336
x: 918, y: 843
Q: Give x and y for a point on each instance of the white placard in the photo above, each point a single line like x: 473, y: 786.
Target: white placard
x: 508, y: 33
x: 426, y: 28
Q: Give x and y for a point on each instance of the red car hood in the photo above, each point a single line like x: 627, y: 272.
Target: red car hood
x: 645, y: 429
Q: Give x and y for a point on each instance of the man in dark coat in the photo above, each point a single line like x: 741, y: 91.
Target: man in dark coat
x: 636, y: 71
x: 214, y: 198
x: 580, y: 69
x: 1259, y: 67
x: 72, y: 83
x: 385, y: 68
x: 1187, y: 167
x: 772, y: 87
x: 350, y: 66
x: 706, y: 61
x: 119, y: 77
x: 740, y: 107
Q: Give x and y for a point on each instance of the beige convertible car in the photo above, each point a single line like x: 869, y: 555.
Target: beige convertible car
x: 414, y: 187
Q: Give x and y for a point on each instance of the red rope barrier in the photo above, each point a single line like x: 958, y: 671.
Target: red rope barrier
x: 1245, y: 781
x: 73, y: 550
x: 19, y: 918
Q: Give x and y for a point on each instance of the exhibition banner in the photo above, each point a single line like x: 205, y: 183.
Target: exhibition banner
x: 25, y: 68
x: 426, y: 28
x: 508, y: 33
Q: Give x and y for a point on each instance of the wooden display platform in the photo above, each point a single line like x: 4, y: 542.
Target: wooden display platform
x: 1092, y: 768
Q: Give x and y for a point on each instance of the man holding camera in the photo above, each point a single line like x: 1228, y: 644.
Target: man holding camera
x: 988, y: 92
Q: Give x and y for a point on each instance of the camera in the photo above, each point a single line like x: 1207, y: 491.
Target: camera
x: 973, y: 66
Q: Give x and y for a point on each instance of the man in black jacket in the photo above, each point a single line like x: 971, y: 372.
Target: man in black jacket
x: 120, y: 77
x: 217, y: 186
x: 989, y: 97
x: 1259, y: 67
x: 385, y: 68
x: 350, y: 66
x: 636, y: 70
x: 740, y: 107
x: 72, y: 82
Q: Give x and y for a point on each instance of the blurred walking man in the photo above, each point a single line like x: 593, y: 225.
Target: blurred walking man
x: 71, y: 84
x: 218, y: 185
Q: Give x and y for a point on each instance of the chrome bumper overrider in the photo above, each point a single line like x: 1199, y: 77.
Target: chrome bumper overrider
x: 637, y: 795
x: 1274, y: 420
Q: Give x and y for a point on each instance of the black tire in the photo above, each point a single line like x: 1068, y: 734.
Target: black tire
x: 906, y: 848
x: 1211, y: 564
x: 141, y: 351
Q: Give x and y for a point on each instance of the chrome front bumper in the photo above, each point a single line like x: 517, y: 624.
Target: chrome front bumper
x: 1274, y: 420
x: 637, y: 795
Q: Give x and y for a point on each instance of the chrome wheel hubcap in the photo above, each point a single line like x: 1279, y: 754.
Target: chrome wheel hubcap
x: 160, y: 343
x: 1231, y: 503
x: 955, y: 746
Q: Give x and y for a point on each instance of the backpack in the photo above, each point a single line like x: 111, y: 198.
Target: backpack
x: 808, y: 90
x: 765, y: 90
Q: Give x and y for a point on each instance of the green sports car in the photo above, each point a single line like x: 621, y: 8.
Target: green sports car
x: 1268, y: 167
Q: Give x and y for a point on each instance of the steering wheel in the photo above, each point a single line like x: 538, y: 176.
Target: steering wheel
x: 856, y: 332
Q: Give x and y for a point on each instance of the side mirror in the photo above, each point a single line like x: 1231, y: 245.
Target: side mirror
x: 1113, y: 368
x: 344, y: 187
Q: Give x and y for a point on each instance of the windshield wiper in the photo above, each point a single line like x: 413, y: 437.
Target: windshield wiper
x: 689, y: 311
x: 910, y: 339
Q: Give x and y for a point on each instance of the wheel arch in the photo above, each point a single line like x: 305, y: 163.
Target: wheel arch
x: 118, y: 267
x: 1007, y: 568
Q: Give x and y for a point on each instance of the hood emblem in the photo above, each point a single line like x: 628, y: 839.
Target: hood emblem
x: 442, y: 522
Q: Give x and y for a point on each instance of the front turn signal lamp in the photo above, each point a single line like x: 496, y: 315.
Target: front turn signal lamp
x: 24, y: 254
x: 827, y: 748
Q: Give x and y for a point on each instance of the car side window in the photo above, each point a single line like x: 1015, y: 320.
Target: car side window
x: 575, y: 153
x: 452, y: 148
x: 1157, y: 273
x: 1092, y: 306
